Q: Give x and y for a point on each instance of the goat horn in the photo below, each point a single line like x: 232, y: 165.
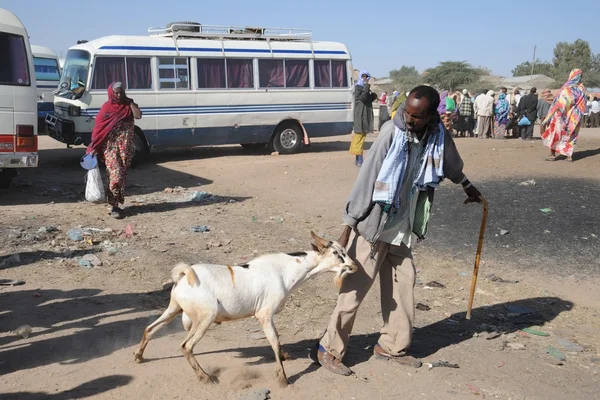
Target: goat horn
x: 320, y: 241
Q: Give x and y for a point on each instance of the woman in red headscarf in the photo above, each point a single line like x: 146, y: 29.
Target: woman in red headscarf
x: 112, y: 139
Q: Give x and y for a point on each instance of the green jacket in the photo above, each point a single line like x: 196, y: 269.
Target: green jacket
x: 363, y: 108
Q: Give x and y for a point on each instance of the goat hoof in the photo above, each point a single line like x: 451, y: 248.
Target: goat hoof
x: 283, y: 382
x: 139, y: 358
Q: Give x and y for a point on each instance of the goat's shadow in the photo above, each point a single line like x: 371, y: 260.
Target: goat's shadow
x: 427, y: 340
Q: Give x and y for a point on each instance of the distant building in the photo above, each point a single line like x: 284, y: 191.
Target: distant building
x: 540, y: 82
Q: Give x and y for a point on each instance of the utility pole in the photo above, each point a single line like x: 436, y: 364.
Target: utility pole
x: 532, y: 64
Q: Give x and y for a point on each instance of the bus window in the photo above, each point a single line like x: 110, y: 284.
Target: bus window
x: 108, y: 70
x: 270, y: 73
x: 240, y: 74
x: 139, y: 73
x: 330, y: 73
x: 75, y: 71
x: 173, y: 73
x: 14, y: 69
x: 296, y: 73
x: 46, y: 69
x: 211, y: 73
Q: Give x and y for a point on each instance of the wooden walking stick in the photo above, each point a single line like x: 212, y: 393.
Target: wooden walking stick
x: 478, y: 255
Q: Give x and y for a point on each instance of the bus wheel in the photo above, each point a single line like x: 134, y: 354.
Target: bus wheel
x: 141, y: 148
x: 6, y: 177
x: 254, y: 146
x: 287, y: 139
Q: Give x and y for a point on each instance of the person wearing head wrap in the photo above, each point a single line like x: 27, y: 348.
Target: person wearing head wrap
x: 363, y: 115
x: 564, y: 118
x: 544, y: 103
x: 501, y: 117
x: 112, y: 140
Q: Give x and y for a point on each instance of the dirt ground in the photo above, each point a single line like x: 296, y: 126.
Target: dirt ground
x: 87, y: 321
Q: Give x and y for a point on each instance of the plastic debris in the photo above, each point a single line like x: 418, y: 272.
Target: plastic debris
x: 503, y: 232
x: 95, y: 261
x: 535, y: 332
x: 530, y: 182
x: 474, y: 389
x: 422, y: 307
x: 570, y: 346
x: 75, y: 234
x: 493, y: 335
x: 546, y: 210
x: 128, y: 231
x: 434, y: 284
x: 199, y: 196
x: 24, y: 331
x: 554, y: 352
x: 11, y: 282
x: 275, y: 153
x: 501, y: 364
x: 201, y: 229
x: 463, y: 274
x: 85, y: 264
x: 442, y: 363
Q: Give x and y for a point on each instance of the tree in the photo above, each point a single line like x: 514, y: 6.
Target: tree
x: 406, y: 78
x: 541, y: 67
x: 568, y: 56
x: 452, y: 74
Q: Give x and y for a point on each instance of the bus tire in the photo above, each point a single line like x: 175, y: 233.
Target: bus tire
x: 6, y: 177
x: 288, y: 138
x: 141, y: 148
x: 254, y: 146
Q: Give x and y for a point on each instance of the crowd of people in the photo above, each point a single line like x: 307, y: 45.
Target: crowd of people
x: 488, y: 115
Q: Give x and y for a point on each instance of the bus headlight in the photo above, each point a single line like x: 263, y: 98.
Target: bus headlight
x: 74, y: 111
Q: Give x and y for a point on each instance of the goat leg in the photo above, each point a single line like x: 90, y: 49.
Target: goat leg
x: 273, y: 338
x: 170, y: 313
x: 187, y: 348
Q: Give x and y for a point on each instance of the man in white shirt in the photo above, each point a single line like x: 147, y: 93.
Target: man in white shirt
x: 484, y: 106
x: 595, y: 110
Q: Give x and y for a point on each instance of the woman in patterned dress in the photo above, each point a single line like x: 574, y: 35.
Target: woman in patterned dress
x: 564, y: 118
x: 501, y: 117
x: 112, y: 139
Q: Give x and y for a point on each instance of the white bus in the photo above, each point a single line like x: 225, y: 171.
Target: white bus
x: 18, y: 114
x: 207, y: 85
x: 47, y: 77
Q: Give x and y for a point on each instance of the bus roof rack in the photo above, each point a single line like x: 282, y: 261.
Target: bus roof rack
x: 199, y: 31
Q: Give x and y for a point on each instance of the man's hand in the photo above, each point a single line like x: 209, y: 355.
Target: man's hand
x: 345, y: 236
x: 473, y: 195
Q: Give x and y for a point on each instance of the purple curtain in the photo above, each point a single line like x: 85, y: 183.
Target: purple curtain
x: 322, y: 73
x: 14, y: 69
x: 139, y: 75
x: 296, y: 73
x: 240, y: 74
x: 108, y: 70
x: 270, y: 73
x: 339, y: 77
x: 211, y: 73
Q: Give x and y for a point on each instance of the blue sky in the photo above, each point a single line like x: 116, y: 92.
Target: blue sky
x: 495, y: 34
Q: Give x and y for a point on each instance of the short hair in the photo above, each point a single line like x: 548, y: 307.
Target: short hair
x: 429, y: 93
x: 533, y: 90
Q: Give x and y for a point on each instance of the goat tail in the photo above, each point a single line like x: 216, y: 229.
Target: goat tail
x: 182, y: 269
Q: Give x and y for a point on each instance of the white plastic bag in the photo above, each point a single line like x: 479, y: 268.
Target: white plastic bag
x: 94, y: 188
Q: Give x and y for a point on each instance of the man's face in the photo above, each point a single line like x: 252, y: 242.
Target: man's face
x: 365, y: 77
x: 416, y: 113
x: 504, y: 90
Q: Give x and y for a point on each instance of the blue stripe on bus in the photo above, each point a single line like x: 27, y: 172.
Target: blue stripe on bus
x: 47, y: 87
x: 202, y: 110
x: 219, y: 50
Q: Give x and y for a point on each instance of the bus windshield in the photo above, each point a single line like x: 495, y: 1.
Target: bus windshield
x: 46, y: 69
x: 14, y: 69
x: 75, y: 71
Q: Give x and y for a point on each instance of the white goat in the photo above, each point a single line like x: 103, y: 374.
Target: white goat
x: 260, y: 288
